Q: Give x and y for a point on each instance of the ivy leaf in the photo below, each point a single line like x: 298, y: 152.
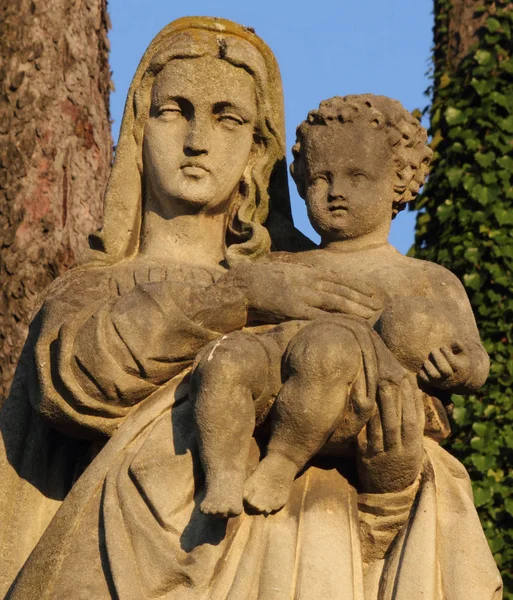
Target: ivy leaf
x: 454, y: 176
x: 444, y: 211
x: 489, y: 177
x: 472, y: 281
x: 492, y: 24
x: 472, y: 254
x: 453, y: 116
x: 484, y: 194
x: 485, y: 160
x: 445, y: 80
x: 483, y: 57
x: 482, y: 86
x: 501, y: 100
x: 507, y: 124
x: 507, y: 65
x: 483, y: 462
x: 482, y: 495
x: 504, y: 217
x: 506, y: 162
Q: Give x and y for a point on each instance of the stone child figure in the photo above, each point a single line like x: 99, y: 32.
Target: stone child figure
x: 358, y: 160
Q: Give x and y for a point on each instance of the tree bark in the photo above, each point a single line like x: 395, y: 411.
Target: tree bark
x: 55, y: 150
x: 456, y: 30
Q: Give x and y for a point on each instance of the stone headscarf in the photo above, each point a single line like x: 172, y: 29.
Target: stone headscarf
x: 267, y: 191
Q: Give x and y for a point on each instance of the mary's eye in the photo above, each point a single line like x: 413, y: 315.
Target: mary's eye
x: 230, y: 120
x: 170, y: 112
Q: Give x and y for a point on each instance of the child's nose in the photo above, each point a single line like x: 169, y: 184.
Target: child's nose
x: 334, y: 197
x: 337, y: 191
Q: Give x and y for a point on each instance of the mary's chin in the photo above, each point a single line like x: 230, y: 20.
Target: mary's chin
x: 201, y: 196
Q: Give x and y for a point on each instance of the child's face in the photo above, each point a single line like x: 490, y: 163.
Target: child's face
x: 350, y: 174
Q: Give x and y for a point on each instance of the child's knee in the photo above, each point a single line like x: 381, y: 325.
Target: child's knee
x: 233, y: 359
x: 325, y: 350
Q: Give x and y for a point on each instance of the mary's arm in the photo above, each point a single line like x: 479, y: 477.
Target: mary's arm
x: 98, y: 353
x: 101, y: 349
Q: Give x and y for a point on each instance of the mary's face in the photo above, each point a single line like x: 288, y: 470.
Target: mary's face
x: 199, y: 136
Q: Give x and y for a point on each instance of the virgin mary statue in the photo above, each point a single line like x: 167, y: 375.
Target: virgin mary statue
x: 101, y: 479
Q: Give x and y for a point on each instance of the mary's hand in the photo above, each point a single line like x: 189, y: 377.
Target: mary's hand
x: 390, y: 447
x: 275, y: 291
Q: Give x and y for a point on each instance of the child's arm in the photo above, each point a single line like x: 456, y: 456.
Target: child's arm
x: 462, y: 364
x: 461, y: 368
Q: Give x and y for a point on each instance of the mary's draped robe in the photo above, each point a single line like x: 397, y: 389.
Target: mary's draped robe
x: 99, y: 469
x: 130, y: 527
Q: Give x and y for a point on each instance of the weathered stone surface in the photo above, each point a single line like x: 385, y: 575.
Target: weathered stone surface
x: 246, y: 423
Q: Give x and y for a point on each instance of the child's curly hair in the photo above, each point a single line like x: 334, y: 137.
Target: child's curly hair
x: 406, y: 136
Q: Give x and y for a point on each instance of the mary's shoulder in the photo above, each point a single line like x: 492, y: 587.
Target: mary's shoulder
x: 76, y: 281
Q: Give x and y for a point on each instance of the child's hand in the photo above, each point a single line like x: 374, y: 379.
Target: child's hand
x: 447, y: 368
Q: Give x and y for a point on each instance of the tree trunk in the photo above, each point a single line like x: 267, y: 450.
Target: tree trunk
x: 455, y: 37
x: 55, y: 150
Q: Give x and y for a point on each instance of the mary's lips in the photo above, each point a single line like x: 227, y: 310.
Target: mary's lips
x: 337, y: 207
x: 194, y: 171
x: 194, y: 167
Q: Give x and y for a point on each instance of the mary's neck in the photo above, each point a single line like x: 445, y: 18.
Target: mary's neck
x: 191, y: 238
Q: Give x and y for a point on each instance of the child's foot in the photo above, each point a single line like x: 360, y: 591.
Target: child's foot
x: 224, y: 496
x: 267, y: 489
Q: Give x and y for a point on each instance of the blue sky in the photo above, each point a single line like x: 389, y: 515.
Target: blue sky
x: 324, y: 48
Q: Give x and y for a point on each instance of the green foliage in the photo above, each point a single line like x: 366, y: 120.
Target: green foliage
x: 466, y: 224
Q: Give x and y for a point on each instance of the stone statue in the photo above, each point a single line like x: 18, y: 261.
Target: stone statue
x: 204, y: 345
x: 358, y: 160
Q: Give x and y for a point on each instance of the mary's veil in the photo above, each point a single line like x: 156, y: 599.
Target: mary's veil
x: 119, y: 237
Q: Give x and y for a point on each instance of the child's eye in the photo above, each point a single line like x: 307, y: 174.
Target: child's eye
x: 319, y: 179
x: 358, y: 177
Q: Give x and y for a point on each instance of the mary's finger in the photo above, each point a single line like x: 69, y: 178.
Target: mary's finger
x: 338, y: 304
x: 341, y: 279
x: 410, y: 415
x: 363, y: 404
x: 389, y: 408
x: 443, y: 366
x: 369, y: 300
x: 311, y: 313
x: 420, y: 409
x: 374, y: 434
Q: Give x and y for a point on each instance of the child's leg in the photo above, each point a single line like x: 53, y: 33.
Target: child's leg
x: 228, y: 376
x: 321, y: 364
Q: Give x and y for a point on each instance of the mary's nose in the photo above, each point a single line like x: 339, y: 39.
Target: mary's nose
x: 199, y: 133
